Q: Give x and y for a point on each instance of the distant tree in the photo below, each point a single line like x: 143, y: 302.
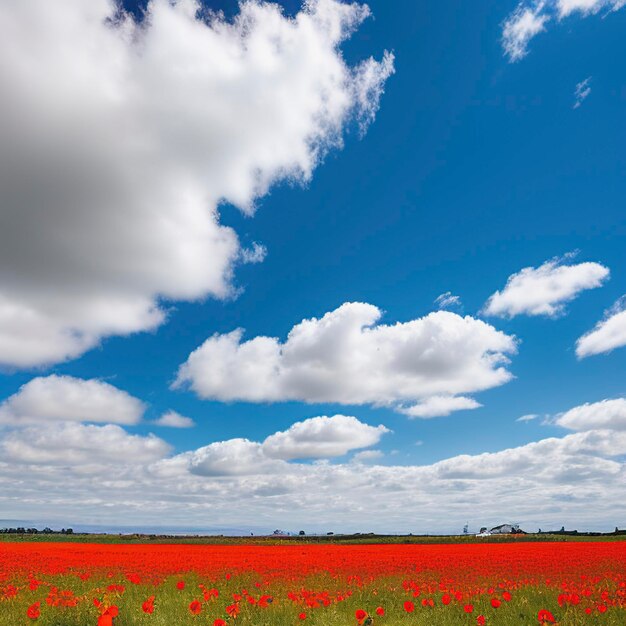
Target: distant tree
x: 302, y: 533
x: 330, y: 533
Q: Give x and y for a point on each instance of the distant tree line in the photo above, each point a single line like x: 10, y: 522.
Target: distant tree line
x: 34, y: 531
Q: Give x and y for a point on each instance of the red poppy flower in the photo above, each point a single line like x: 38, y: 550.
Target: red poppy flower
x: 468, y: 608
x: 409, y: 607
x: 360, y: 614
x: 195, y: 607
x: 302, y: 616
x: 380, y: 611
x: 148, y: 605
x: 446, y: 599
x: 480, y: 620
x: 105, y: 620
x: 232, y: 610
x: 495, y: 603
x: 219, y: 622
x: 180, y: 585
x: 33, y: 610
x: 506, y: 596
x: 545, y: 617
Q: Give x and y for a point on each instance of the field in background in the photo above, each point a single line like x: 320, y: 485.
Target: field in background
x: 517, y: 583
x: 363, y: 539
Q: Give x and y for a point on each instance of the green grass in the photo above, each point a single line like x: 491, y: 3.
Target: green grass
x: 172, y: 605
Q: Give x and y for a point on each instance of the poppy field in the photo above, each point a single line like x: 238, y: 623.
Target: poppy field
x: 56, y: 584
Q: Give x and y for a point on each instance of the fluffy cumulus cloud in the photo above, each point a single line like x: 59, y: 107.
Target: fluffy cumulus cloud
x: 347, y: 357
x: 314, y: 438
x: 172, y: 419
x: 80, y: 445
x: 235, y: 457
x: 531, y: 17
x: 609, y: 414
x: 545, y: 290
x: 99, y: 474
x: 322, y: 437
x: 119, y: 139
x: 608, y: 334
x: 574, y: 458
x: 63, y: 398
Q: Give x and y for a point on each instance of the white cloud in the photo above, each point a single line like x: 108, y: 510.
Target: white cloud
x: 608, y: 334
x: 545, y: 290
x: 587, y: 7
x: 582, y: 92
x: 172, y: 419
x: 314, y: 438
x: 448, y: 300
x: 367, y: 456
x: 81, y: 445
x: 256, y: 254
x: 440, y: 406
x: 63, y: 398
x: 322, y: 437
x: 99, y: 474
x: 348, y: 358
x: 520, y: 27
x: 119, y: 140
x: 527, y: 418
x: 530, y: 18
x: 606, y: 414
x: 235, y: 457
x: 573, y: 458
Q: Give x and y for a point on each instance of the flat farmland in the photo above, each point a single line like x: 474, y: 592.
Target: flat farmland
x: 82, y: 584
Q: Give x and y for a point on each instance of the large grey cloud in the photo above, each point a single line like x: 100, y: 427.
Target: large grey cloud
x: 347, y: 357
x: 118, y: 140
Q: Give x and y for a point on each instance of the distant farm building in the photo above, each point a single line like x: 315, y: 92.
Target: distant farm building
x: 503, y: 529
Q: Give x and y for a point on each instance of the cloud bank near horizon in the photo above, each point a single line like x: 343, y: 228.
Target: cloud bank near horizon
x: 94, y: 473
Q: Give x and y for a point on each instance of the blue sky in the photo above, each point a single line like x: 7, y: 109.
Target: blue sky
x: 475, y: 167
